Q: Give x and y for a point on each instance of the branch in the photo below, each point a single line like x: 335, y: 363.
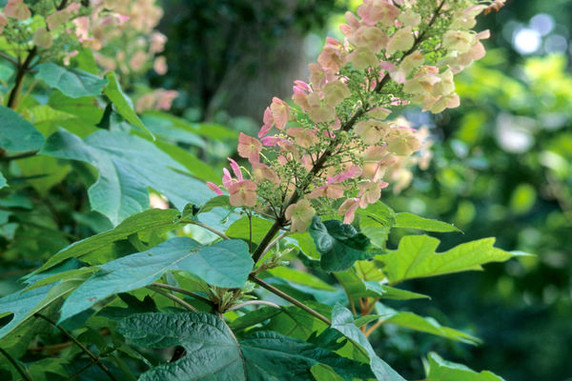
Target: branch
x: 212, y: 230
x: 22, y: 155
x: 93, y: 357
x: 173, y: 298
x: 182, y: 291
x: 289, y: 298
x: 15, y: 364
x: 253, y: 302
x: 22, y: 69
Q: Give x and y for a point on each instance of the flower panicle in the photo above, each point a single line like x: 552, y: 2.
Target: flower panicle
x: 336, y: 141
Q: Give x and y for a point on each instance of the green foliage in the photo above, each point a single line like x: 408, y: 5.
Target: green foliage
x: 213, y: 352
x: 441, y: 370
x: 343, y: 321
x: 224, y: 264
x: 121, y: 188
x: 71, y: 82
x: 416, y: 257
x: 108, y: 214
x: 340, y: 245
x: 17, y: 134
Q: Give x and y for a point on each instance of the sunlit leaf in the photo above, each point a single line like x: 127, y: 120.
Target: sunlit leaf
x: 225, y: 264
x: 213, y: 353
x: 71, y: 82
x: 416, y: 257
x: 442, y: 370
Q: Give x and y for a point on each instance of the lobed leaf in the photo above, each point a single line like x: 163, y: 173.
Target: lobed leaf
x: 441, y: 370
x: 423, y: 324
x: 212, y: 352
x: 340, y: 245
x: 145, y: 221
x: 225, y: 264
x: 343, y: 321
x: 123, y: 104
x: 71, y: 82
x: 127, y: 166
x: 416, y: 257
x: 17, y: 134
x: 411, y: 221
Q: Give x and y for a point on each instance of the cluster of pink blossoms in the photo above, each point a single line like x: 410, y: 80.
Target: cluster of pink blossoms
x: 119, y: 32
x: 338, y: 143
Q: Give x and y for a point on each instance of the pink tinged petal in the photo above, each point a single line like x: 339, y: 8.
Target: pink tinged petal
x: 227, y: 179
x: 362, y: 58
x: 303, y: 138
x: 236, y: 169
x: 249, y: 148
x: 370, y: 38
x: 280, y: 112
x: 374, y: 11
x: 270, y: 141
x: 402, y: 41
x: 335, y: 93
x: 243, y: 193
x: 18, y: 10
x: 379, y: 113
x: 348, y: 209
x: 263, y: 172
x: 300, y: 215
x: 214, y: 188
x: 43, y: 38
x: 352, y: 172
x: 268, y: 121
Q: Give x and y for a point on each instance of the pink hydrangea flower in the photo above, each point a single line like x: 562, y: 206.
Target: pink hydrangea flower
x: 300, y: 215
x: 348, y: 209
x: 249, y: 148
x: 214, y: 188
x: 18, y: 10
x: 243, y: 193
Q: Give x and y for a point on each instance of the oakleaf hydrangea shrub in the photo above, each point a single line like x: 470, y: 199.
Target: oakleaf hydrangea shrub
x: 279, y: 270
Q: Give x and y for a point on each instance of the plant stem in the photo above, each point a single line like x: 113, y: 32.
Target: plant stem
x: 253, y: 302
x: 15, y: 364
x: 174, y: 298
x: 20, y: 73
x: 212, y: 230
x: 22, y: 155
x: 182, y: 291
x: 94, y: 358
x: 289, y: 298
x: 371, y: 329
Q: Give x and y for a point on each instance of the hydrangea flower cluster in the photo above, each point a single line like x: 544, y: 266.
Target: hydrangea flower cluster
x: 337, y: 144
x: 119, y: 32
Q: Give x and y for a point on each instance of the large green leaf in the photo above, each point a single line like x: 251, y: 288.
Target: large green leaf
x: 143, y: 222
x: 24, y: 304
x: 416, y: 257
x: 213, y: 353
x: 411, y: 221
x: 127, y: 166
x: 169, y: 130
x: 357, y: 287
x: 17, y: 134
x: 71, y: 82
x: 123, y: 104
x: 241, y: 229
x: 3, y: 182
x: 422, y: 324
x: 441, y: 370
x: 376, y: 221
x: 224, y: 264
x: 340, y: 245
x: 343, y: 321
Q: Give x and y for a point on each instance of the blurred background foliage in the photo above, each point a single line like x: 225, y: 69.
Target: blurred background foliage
x: 502, y: 161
